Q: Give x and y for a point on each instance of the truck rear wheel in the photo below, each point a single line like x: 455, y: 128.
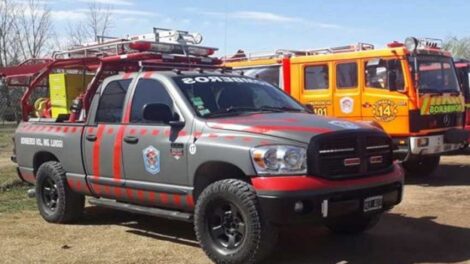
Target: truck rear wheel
x: 229, y: 224
x: 353, y: 225
x: 57, y: 203
x: 421, y: 165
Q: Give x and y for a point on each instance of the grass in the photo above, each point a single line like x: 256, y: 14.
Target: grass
x: 12, y: 190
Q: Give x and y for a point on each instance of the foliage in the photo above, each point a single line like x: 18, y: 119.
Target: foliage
x: 460, y: 48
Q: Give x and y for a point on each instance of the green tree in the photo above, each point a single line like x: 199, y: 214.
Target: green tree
x: 460, y: 48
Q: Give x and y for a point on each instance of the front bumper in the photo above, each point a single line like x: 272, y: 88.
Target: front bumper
x: 436, y: 145
x: 449, y: 141
x: 315, y: 200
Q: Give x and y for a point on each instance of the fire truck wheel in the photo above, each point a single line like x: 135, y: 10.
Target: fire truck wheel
x: 229, y: 225
x: 421, y: 165
x: 353, y: 225
x: 57, y: 203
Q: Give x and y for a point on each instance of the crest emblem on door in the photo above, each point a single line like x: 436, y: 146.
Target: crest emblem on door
x: 347, y: 105
x: 151, y: 160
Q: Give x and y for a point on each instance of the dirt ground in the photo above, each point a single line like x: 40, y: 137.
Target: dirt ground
x: 432, y: 225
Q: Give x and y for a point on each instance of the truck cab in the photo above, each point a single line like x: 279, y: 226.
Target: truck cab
x: 232, y: 154
x: 409, y: 89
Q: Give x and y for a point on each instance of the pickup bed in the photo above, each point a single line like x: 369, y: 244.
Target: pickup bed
x: 233, y: 154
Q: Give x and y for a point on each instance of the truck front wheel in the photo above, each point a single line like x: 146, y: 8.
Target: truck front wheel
x: 353, y: 225
x: 421, y: 165
x: 57, y: 203
x: 229, y: 224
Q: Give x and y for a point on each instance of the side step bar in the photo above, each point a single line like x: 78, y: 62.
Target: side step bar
x: 139, y: 209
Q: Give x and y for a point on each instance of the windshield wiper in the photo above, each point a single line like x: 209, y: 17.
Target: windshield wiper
x: 232, y: 110
x: 428, y: 90
x: 453, y: 91
x: 236, y: 110
x: 280, y: 109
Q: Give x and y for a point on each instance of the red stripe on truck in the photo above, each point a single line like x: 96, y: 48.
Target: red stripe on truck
x: 286, y: 75
x: 96, y: 158
x: 117, y: 152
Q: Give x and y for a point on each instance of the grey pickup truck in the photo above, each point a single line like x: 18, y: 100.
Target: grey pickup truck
x: 232, y: 154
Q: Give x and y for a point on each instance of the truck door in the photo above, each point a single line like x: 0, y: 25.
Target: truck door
x: 154, y: 153
x: 347, y: 95
x: 102, y: 162
x: 316, y: 88
x: 384, y: 99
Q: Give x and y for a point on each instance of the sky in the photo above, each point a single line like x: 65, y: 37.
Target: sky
x: 264, y: 25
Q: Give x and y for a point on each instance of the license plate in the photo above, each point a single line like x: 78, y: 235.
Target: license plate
x: 373, y: 203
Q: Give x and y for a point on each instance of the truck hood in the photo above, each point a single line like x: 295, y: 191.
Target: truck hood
x: 295, y: 126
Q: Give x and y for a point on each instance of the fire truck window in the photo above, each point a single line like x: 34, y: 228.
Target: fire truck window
x: 148, y: 91
x: 112, y: 102
x: 437, y: 74
x: 384, y: 74
x: 346, y: 75
x: 316, y: 77
x: 268, y: 74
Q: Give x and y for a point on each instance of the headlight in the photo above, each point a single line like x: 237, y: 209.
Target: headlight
x: 279, y: 159
x: 411, y: 44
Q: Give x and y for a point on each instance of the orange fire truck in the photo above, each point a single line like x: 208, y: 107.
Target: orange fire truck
x: 409, y: 89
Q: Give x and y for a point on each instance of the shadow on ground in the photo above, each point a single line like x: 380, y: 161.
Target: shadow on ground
x: 445, y: 175
x: 397, y: 239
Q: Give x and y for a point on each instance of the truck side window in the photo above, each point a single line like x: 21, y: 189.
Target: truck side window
x: 111, y: 103
x: 148, y: 91
x: 384, y: 74
x: 346, y: 75
x: 316, y: 77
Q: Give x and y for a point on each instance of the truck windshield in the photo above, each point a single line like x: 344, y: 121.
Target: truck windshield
x: 222, y: 95
x: 437, y: 74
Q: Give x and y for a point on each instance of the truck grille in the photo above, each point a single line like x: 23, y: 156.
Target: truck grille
x: 349, y: 154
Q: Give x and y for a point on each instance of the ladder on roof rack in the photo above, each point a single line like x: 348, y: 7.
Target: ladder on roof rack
x: 163, y: 41
x: 282, y: 53
x: 348, y: 48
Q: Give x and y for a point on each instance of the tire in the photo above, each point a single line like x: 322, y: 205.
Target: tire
x: 421, y: 166
x: 57, y: 203
x: 352, y: 225
x: 229, y: 224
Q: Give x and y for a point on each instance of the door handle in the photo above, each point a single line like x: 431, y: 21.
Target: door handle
x: 131, y: 140
x: 366, y: 105
x: 91, y: 137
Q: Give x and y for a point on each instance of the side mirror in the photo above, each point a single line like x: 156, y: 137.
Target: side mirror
x: 158, y: 113
x: 309, y: 107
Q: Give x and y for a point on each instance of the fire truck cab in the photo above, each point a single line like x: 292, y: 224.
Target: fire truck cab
x: 409, y: 89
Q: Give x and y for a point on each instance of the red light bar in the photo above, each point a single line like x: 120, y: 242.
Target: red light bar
x: 140, y: 45
x: 395, y: 44
x: 169, y: 48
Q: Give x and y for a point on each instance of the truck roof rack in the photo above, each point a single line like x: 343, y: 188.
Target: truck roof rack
x: 282, y: 53
x: 348, y: 48
x: 163, y: 41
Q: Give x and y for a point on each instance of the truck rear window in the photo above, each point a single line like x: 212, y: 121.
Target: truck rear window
x: 111, y: 102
